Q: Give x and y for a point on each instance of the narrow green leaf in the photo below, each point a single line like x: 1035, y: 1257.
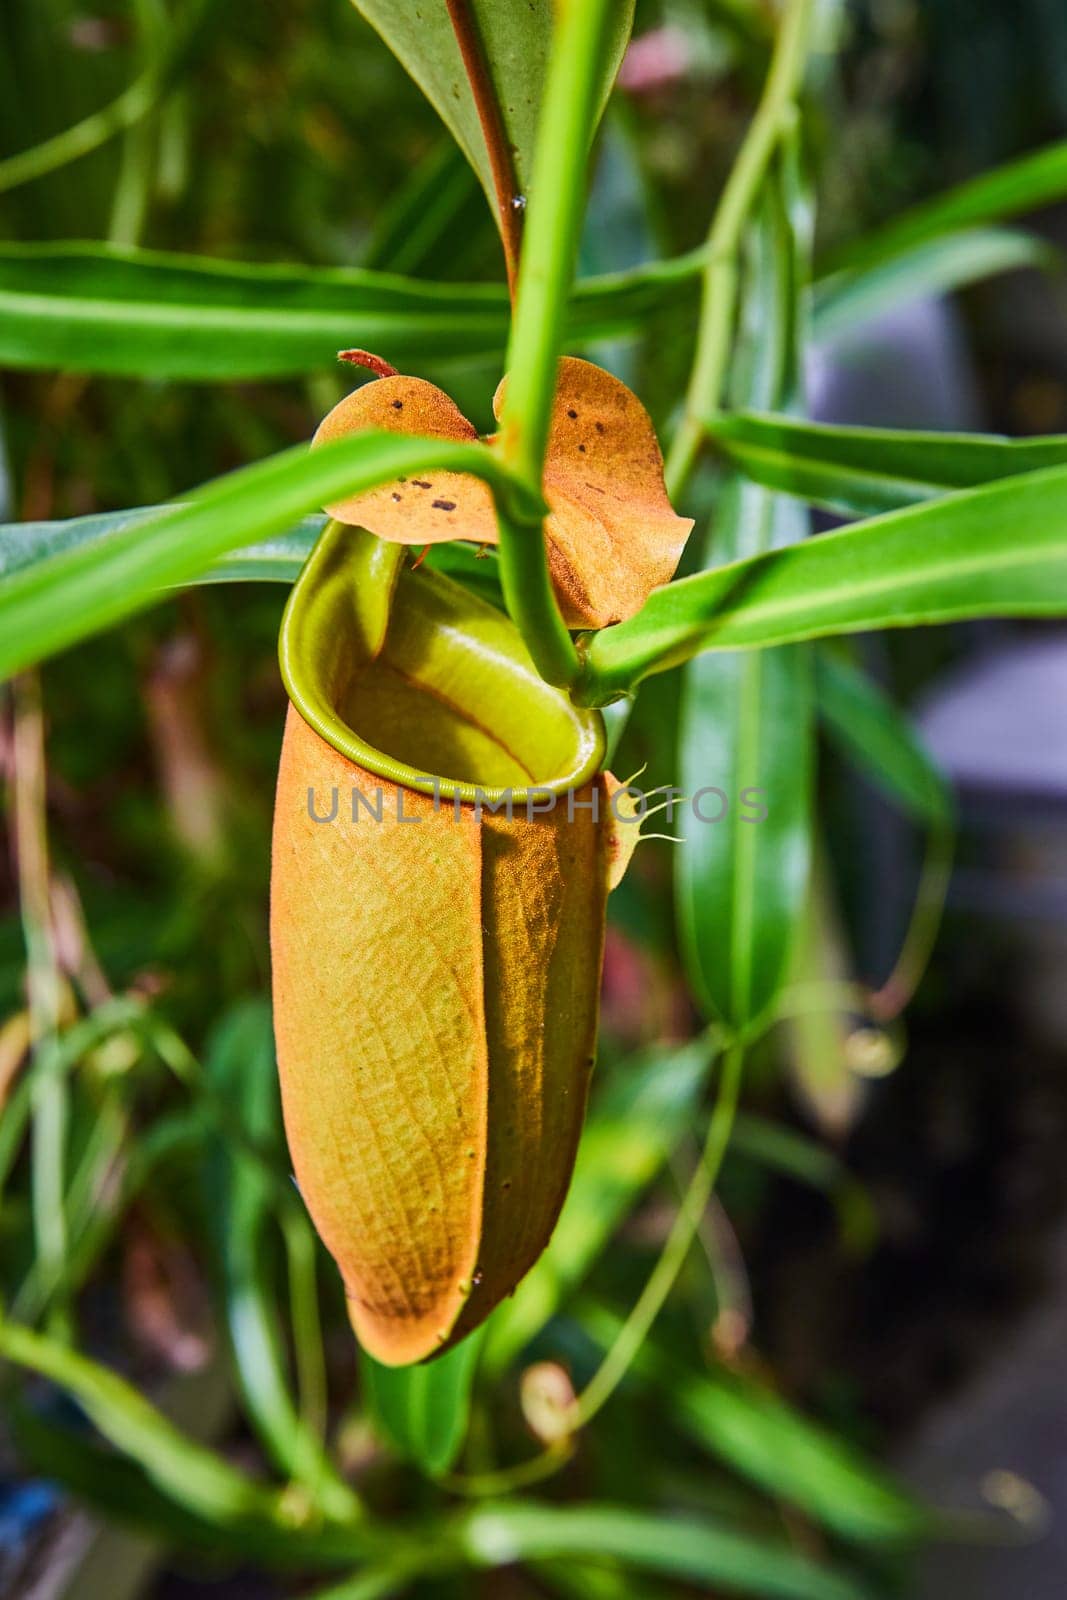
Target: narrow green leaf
x: 375, y: 1582
x: 277, y: 560
x: 192, y: 1475
x: 746, y: 726
x: 168, y: 1485
x: 142, y: 313
x: 126, y: 312
x: 996, y: 551
x: 860, y: 472
x: 239, y: 1062
x: 424, y: 1411
x: 1010, y: 190
x: 853, y: 296
x: 745, y: 729
x: 590, y: 1580
x: 513, y: 38
x: 81, y: 590
x: 770, y: 1444
x: 114, y: 310
x: 696, y: 1550
x: 116, y: 1486
x: 879, y: 738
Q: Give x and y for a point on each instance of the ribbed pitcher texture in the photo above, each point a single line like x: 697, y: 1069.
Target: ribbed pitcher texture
x: 436, y: 962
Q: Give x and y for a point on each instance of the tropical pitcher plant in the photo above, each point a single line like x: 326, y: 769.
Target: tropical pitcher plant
x: 470, y: 620
x: 436, y: 974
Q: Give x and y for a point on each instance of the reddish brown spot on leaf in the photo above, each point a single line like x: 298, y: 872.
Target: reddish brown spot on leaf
x: 415, y: 520
x: 366, y: 358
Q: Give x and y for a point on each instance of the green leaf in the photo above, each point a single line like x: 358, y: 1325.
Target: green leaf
x: 142, y: 313
x: 629, y: 1133
x: 81, y: 590
x: 116, y: 1486
x: 513, y: 38
x: 686, y: 1548
x: 24, y: 544
x: 996, y: 551
x: 854, y: 296
x: 240, y: 1064
x: 591, y: 1580
x: 790, y: 1458
x: 878, y: 737
x: 1010, y: 190
x: 277, y: 560
x: 192, y: 1475
x: 424, y: 1411
x: 177, y: 1490
x: 860, y: 472
x: 746, y: 731
x: 375, y: 1582
x: 112, y: 310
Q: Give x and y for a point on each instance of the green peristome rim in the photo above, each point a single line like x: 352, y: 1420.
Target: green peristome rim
x: 356, y: 601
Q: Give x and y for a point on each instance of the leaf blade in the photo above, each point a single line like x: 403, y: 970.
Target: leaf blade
x: 864, y: 471
x: 678, y: 1547
x: 784, y: 1453
x: 81, y: 590
x: 851, y: 297
x: 514, y: 37
x: 879, y: 738
x: 996, y: 551
x: 424, y: 1411
x: 125, y: 312
x: 1036, y: 179
x: 746, y: 726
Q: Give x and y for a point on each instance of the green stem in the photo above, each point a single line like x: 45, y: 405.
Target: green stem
x: 49, y: 1095
x: 493, y: 1484
x: 135, y: 102
x: 129, y: 207
x: 84, y: 137
x: 636, y: 1328
x: 550, y: 246
x: 775, y: 112
x: 898, y: 989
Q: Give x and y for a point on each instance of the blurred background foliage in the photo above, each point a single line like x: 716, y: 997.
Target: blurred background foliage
x: 873, y: 1240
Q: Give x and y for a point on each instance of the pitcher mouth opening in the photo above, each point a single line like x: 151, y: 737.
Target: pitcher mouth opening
x: 416, y: 680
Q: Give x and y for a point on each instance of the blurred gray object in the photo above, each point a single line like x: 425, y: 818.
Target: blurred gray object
x: 998, y: 725
x: 908, y: 369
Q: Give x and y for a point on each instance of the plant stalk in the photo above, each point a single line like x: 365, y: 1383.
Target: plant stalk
x: 774, y: 114
x: 50, y: 1098
x: 686, y: 1224
x: 550, y: 246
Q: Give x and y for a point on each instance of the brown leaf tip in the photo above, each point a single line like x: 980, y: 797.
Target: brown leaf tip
x: 376, y: 364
